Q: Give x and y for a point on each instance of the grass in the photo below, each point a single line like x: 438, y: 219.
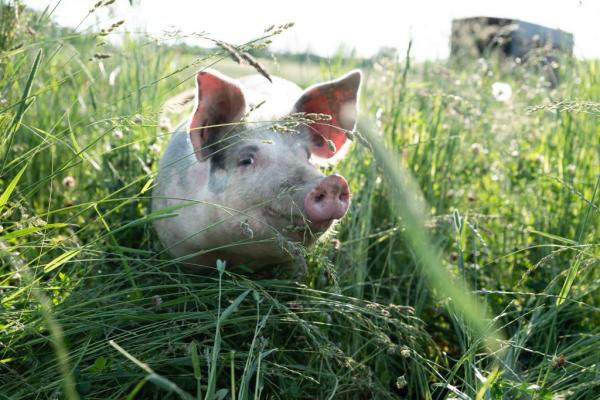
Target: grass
x: 467, y: 266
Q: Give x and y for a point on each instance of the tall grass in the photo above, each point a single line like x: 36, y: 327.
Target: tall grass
x: 454, y: 192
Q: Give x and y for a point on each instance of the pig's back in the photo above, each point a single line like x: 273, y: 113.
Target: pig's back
x: 279, y: 97
x: 177, y: 158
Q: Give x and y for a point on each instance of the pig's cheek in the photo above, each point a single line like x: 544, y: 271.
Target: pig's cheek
x: 243, y: 192
x: 217, y: 181
x: 198, y: 175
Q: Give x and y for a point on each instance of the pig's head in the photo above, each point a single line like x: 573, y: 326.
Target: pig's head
x: 263, y: 175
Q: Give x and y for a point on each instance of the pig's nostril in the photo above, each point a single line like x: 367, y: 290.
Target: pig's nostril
x: 326, y: 202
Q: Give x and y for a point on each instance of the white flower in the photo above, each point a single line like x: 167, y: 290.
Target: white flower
x: 69, y: 182
x: 155, y: 148
x: 378, y: 116
x: 501, y: 91
x: 113, y: 76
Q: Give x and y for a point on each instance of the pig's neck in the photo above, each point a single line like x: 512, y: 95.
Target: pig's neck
x: 181, y: 175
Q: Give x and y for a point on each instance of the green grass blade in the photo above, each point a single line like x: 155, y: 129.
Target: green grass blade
x: 32, y: 229
x: 152, y: 376
x: 10, y: 188
x: 23, y: 106
x: 60, y: 260
x: 231, y: 308
x: 408, y: 205
x: 574, y: 268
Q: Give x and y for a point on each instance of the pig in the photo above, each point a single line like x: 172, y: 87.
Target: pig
x: 239, y: 180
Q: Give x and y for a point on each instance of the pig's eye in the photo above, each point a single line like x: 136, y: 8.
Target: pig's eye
x: 246, y: 161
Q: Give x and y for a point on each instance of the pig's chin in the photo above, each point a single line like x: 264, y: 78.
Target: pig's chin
x: 295, y: 226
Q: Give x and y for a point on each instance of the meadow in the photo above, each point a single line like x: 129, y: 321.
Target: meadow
x: 466, y: 268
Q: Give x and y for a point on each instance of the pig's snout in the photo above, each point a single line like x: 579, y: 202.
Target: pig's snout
x: 329, y: 200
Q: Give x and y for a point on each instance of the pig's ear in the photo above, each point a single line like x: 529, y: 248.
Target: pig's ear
x: 338, y: 98
x: 219, y: 101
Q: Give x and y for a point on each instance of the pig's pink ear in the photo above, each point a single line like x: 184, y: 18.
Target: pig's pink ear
x: 338, y: 98
x: 219, y: 100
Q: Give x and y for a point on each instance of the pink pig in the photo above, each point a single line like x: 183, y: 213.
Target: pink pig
x: 241, y: 188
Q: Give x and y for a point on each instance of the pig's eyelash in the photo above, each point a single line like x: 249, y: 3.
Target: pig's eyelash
x: 308, y: 153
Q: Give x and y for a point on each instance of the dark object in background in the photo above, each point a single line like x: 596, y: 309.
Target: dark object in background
x: 479, y: 36
x: 534, y: 45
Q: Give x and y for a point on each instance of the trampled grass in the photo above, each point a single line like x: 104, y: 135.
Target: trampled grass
x: 467, y: 266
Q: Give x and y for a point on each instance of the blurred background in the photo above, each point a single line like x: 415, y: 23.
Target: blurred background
x: 323, y: 27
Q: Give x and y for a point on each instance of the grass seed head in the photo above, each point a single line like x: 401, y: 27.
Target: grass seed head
x: 405, y: 352
x: 401, y: 382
